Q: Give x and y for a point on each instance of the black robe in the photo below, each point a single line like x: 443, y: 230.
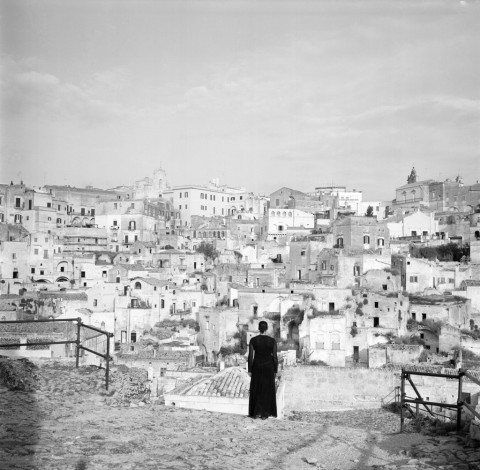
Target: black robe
x: 263, y: 365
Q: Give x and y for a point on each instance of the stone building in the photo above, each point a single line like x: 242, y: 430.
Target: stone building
x: 212, y: 200
x: 416, y: 224
x: 304, y: 252
x: 280, y: 223
x: 129, y: 221
x: 355, y: 232
x: 345, y: 268
x: 448, y: 309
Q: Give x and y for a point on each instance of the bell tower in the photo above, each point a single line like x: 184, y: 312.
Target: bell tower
x: 413, y: 176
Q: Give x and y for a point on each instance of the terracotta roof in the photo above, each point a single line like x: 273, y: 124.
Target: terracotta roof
x: 153, y: 281
x: 133, y: 267
x: 84, y: 311
x: 232, y: 382
x: 64, y: 295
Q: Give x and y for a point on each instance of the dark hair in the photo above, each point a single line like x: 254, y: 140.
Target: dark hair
x: 263, y: 326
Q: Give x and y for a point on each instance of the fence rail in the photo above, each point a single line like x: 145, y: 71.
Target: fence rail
x: 419, y: 401
x: 77, y: 341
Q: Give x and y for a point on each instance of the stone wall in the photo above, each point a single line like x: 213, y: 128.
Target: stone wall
x: 314, y: 388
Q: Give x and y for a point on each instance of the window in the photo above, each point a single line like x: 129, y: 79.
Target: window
x: 424, y: 316
x: 376, y: 322
x: 115, y: 223
x: 95, y: 302
x: 82, y: 274
x: 62, y: 269
x: 15, y: 274
x: 376, y: 304
x: 324, y: 265
x: 413, y: 278
x: 162, y: 303
x: 42, y: 272
x: 366, y: 239
x: 133, y: 337
x: 414, y: 316
x: 18, y: 202
x: 302, y: 253
x: 335, y: 342
x: 14, y: 255
x: 320, y: 342
x: 32, y: 270
x: 340, y: 242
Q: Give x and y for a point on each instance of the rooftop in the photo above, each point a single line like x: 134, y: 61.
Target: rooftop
x: 232, y: 382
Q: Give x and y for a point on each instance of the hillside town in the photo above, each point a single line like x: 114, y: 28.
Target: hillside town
x: 181, y: 276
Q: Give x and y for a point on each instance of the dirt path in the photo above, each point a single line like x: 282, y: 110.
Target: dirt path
x: 67, y: 425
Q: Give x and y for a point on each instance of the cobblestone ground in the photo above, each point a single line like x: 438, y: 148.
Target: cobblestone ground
x: 66, y: 424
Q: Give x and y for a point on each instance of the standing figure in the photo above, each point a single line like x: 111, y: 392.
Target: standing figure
x: 262, y: 367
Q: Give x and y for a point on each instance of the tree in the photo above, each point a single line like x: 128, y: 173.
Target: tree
x: 369, y: 212
x: 208, y: 251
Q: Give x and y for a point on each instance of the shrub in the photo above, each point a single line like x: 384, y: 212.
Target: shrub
x: 294, y: 314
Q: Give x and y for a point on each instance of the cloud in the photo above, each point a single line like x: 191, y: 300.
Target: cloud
x: 42, y: 94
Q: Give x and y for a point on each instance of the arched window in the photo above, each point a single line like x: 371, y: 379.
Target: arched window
x: 162, y: 303
x: 381, y: 242
x: 366, y: 239
x: 273, y: 213
x: 133, y: 337
x: 289, y: 214
x: 102, y: 325
x: 477, y: 234
x: 132, y: 225
x: 340, y: 242
x: 138, y: 285
x: 278, y: 213
x: 284, y: 214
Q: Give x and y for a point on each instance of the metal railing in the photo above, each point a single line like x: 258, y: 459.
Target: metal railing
x: 76, y: 341
x: 426, y: 404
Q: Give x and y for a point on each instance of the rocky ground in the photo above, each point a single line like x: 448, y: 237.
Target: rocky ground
x: 67, y: 424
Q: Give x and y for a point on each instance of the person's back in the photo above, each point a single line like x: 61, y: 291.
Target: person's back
x: 262, y: 366
x: 263, y: 347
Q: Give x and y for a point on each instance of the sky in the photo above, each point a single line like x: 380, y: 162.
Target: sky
x: 261, y: 94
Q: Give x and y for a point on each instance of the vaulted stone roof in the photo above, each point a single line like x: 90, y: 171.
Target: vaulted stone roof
x: 232, y: 382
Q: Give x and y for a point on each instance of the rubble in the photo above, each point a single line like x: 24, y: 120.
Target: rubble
x: 19, y: 374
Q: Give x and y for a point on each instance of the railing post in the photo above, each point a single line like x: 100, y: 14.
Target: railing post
x: 402, y: 403
x: 459, y: 400
x: 77, y: 353
x: 107, y: 363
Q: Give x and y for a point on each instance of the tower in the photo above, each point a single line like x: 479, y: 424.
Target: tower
x: 413, y: 176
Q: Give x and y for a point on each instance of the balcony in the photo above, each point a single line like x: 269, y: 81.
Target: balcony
x: 181, y: 313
